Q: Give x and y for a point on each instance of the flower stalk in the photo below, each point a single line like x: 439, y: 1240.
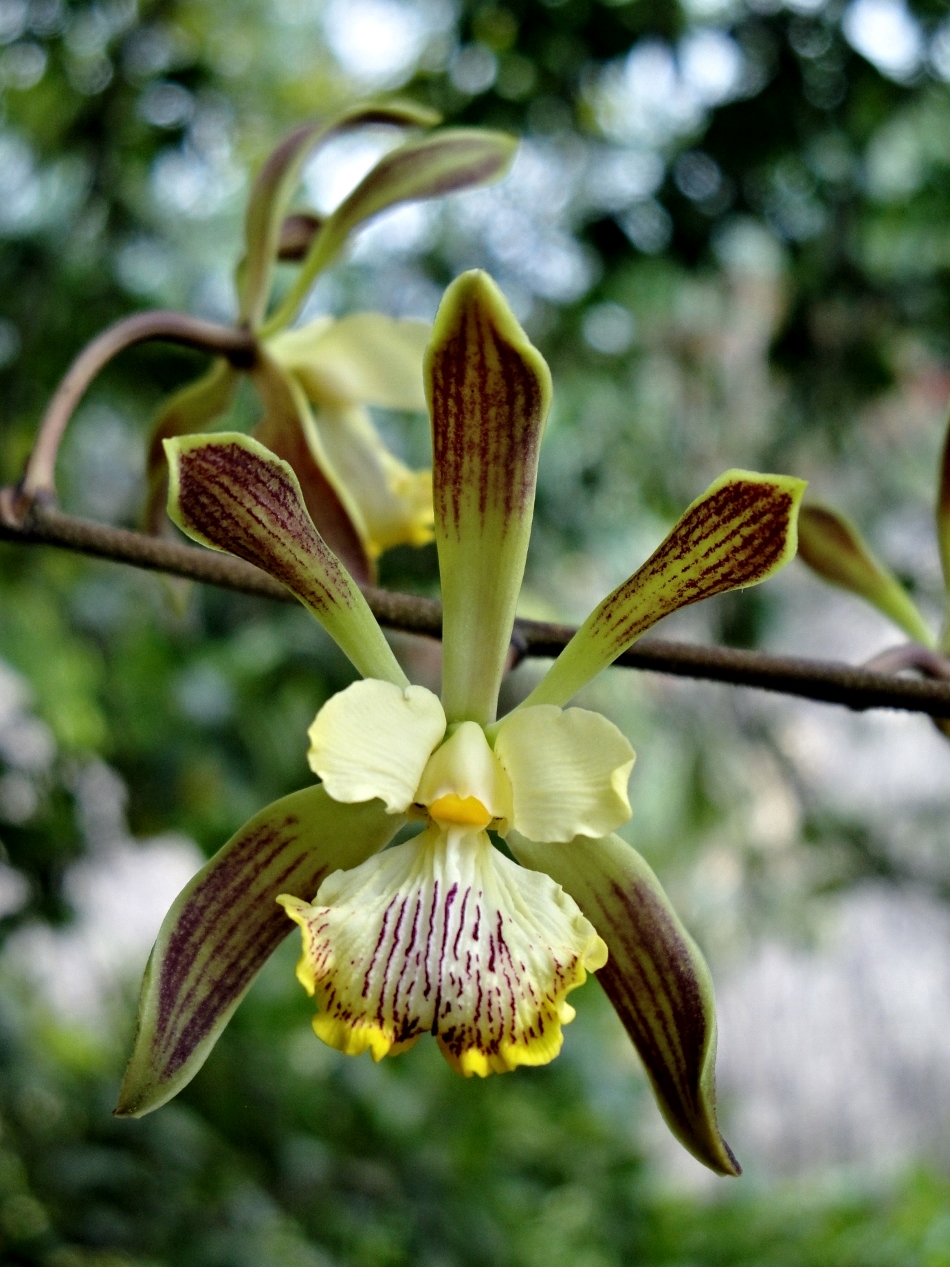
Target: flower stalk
x: 237, y: 346
x: 362, y: 498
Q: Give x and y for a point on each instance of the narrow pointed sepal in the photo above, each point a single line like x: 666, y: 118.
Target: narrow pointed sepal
x: 228, y: 492
x: 833, y: 546
x: 278, y: 178
x: 224, y: 926
x: 655, y: 977
x: 489, y: 393
x: 741, y: 531
x: 193, y: 408
x: 436, y: 165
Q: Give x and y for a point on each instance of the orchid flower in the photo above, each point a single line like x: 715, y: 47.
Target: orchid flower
x: 314, y: 382
x: 833, y: 546
x: 443, y: 933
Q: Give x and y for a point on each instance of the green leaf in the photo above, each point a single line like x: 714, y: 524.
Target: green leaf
x: 453, y: 159
x: 489, y: 393
x: 278, y: 178
x: 191, y: 409
x: 740, y: 532
x: 289, y: 430
x: 655, y: 977
x: 225, y: 925
x: 833, y: 547
x: 228, y: 492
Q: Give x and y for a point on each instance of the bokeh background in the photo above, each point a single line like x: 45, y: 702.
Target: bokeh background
x: 728, y: 228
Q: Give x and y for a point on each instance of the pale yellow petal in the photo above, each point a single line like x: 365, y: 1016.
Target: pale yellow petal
x: 444, y: 935
x: 365, y: 358
x: 569, y: 770
x: 373, y: 740
x: 393, y: 503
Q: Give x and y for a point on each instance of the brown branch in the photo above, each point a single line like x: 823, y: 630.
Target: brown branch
x: 830, y: 682
x: 39, y: 481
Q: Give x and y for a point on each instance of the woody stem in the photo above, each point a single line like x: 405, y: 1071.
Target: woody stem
x: 874, y: 686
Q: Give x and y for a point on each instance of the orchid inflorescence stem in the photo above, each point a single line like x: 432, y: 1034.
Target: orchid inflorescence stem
x: 830, y: 682
x: 236, y: 345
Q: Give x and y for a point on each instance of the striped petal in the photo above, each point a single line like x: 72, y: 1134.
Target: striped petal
x: 833, y: 547
x: 278, y: 178
x: 374, y: 740
x: 739, y: 533
x: 193, y: 408
x: 228, y: 492
x: 444, y: 935
x: 656, y: 978
x: 569, y: 770
x: 452, y: 159
x: 489, y: 392
x: 289, y: 430
x: 365, y: 357
x: 224, y: 926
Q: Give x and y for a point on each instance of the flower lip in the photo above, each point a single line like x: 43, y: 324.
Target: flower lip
x: 444, y: 935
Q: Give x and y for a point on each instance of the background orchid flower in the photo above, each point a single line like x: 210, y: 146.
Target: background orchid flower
x: 443, y: 933
x: 315, y: 382
x: 833, y: 546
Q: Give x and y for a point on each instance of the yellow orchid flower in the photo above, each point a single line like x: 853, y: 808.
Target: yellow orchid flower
x: 444, y: 934
x: 315, y: 382
x: 343, y: 366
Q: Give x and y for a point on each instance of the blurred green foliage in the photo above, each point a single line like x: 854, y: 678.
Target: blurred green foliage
x: 277, y: 1158
x: 281, y: 1155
